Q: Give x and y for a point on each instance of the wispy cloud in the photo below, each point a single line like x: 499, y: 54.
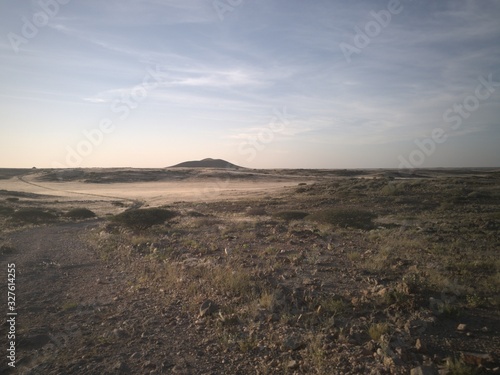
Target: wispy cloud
x: 228, y: 76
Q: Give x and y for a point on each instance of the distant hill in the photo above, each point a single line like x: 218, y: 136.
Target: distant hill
x: 207, y: 163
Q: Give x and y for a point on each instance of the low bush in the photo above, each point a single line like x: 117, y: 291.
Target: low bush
x: 291, y: 215
x: 144, y: 218
x: 377, y: 330
x: 33, y: 216
x: 354, y: 218
x: 256, y: 211
x: 6, y: 211
x: 392, y: 189
x: 80, y: 213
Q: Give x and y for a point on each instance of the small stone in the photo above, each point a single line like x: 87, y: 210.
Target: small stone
x: 121, y: 367
x: 461, y: 327
x: 420, y: 346
x: 293, y: 342
x: 120, y: 333
x: 292, y: 365
x: 383, y: 292
x: 388, y: 362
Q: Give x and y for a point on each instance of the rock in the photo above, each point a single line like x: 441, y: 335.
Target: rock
x: 120, y: 333
x: 388, y: 362
x: 121, y: 367
x: 420, y: 346
x: 292, y: 365
x: 293, y: 342
x: 207, y: 308
x: 424, y: 370
x: 462, y: 327
x: 383, y: 292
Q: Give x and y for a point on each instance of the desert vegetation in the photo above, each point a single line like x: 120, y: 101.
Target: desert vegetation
x: 344, y: 274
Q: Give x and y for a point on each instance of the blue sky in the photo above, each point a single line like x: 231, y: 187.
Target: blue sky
x: 263, y: 83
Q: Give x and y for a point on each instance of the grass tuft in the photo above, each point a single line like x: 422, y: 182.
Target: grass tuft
x: 377, y: 330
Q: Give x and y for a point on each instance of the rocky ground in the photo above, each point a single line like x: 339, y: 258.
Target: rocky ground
x: 342, y: 276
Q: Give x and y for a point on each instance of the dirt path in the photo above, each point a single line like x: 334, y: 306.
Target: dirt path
x: 135, y: 203
x: 79, y: 315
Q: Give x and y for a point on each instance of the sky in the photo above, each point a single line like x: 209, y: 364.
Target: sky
x: 260, y: 83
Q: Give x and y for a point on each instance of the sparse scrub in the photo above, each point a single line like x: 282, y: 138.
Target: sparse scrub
x: 257, y: 211
x: 449, y: 309
x: 354, y: 257
x: 33, y: 216
x: 267, y: 300
x: 291, y: 215
x: 6, y: 249
x: 195, y: 214
x: 376, y: 330
x: 324, y: 279
x: 6, y: 211
x: 392, y: 189
x: 354, y: 218
x: 144, y: 218
x: 80, y: 213
x: 332, y: 305
x: 69, y: 306
x: 458, y: 367
x: 233, y: 282
x: 205, y: 221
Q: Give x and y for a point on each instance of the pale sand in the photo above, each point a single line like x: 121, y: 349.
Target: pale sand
x: 151, y: 193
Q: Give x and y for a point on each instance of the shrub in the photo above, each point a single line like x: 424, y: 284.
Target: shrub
x: 144, y: 218
x: 33, y: 216
x: 5, y: 249
x: 377, y: 330
x: 6, y: 211
x: 458, y: 367
x: 195, y: 214
x: 291, y: 215
x: 354, y: 218
x: 80, y: 213
x: 392, y: 189
x: 256, y: 211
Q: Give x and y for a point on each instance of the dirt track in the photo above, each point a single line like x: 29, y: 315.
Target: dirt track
x: 78, y: 316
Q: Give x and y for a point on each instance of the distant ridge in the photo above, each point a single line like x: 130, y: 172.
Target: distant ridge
x: 207, y: 163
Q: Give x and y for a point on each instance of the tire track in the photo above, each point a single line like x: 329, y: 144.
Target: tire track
x: 135, y: 203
